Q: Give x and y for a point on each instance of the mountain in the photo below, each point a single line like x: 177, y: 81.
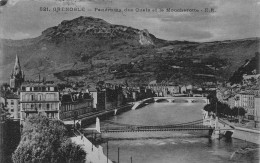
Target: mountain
x: 91, y: 49
x: 250, y: 67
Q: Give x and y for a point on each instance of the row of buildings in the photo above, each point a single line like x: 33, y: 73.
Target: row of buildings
x: 171, y: 89
x: 242, y: 95
x: 22, y: 98
x: 45, y: 99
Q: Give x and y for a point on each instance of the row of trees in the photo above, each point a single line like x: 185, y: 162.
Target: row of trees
x: 223, y: 109
x: 45, y: 140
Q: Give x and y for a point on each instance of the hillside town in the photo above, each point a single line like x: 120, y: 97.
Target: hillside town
x: 21, y: 97
x: 75, y: 103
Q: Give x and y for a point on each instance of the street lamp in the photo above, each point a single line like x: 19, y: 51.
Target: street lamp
x: 75, y: 116
x: 237, y: 98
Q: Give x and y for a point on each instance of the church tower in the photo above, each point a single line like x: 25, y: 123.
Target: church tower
x: 17, y: 76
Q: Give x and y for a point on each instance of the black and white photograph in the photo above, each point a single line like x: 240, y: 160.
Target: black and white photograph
x: 129, y: 81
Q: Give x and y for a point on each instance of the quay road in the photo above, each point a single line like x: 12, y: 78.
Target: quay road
x: 89, y: 118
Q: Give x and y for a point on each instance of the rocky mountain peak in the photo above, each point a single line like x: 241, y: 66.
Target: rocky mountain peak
x: 83, y: 27
x: 145, y: 38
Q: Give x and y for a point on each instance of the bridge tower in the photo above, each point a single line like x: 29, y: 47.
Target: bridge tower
x: 98, y: 124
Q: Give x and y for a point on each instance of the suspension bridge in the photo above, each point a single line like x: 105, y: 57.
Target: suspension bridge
x: 188, y: 126
x: 200, y: 127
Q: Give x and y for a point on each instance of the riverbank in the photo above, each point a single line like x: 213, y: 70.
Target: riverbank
x: 96, y: 154
x: 247, y: 135
x: 142, y: 103
x: 104, y: 114
x: 244, y: 133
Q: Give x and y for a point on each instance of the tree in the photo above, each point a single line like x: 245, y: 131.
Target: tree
x: 221, y: 108
x: 226, y: 110
x: 212, y: 98
x: 45, y: 140
x: 75, y: 153
x: 238, y: 111
x: 209, y: 108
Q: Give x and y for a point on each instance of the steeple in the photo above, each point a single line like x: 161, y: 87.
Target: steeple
x: 17, y: 76
x: 17, y: 67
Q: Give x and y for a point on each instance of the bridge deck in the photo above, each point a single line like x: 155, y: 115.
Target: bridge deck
x: 188, y: 126
x: 155, y: 128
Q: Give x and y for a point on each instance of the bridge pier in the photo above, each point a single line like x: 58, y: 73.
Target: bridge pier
x: 211, y: 132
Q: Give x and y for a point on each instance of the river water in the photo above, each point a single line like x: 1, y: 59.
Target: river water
x: 177, y: 149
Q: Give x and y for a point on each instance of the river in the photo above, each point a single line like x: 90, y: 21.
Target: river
x: 171, y: 150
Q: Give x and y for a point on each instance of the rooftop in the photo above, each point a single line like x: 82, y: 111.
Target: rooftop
x: 11, y: 96
x: 37, y: 83
x: 75, y: 97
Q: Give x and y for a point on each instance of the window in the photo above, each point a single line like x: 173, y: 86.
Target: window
x: 47, y: 96
x: 32, y: 97
x: 27, y: 97
x: 39, y: 97
x: 48, y: 106
x: 12, y: 110
x: 12, y: 102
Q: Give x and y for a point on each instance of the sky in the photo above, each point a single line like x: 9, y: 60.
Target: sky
x: 232, y: 19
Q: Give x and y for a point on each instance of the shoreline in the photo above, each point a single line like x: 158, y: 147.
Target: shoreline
x: 245, y: 134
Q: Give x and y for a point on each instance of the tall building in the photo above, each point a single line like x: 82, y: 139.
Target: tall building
x: 257, y: 108
x: 39, y: 98
x: 101, y: 100
x: 247, y: 101
x: 17, y: 76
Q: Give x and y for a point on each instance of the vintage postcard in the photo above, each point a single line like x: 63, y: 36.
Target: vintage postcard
x: 129, y: 81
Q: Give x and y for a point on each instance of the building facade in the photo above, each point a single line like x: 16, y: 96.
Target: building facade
x: 93, y: 93
x: 12, y: 105
x: 39, y: 98
x: 247, y: 101
x: 75, y: 106
x: 101, y: 100
x: 257, y: 108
